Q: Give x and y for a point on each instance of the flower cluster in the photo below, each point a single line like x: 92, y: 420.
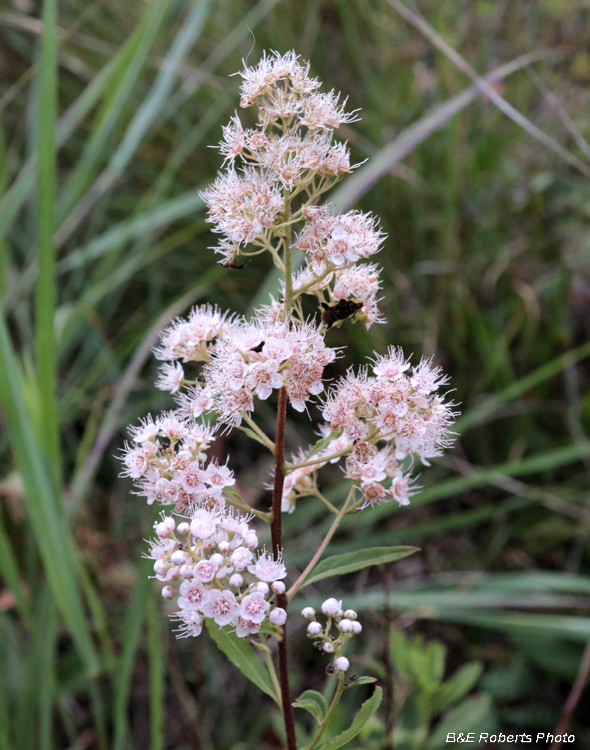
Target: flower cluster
x: 211, y: 557
x: 394, y: 407
x: 345, y: 623
x: 260, y: 356
x: 167, y: 462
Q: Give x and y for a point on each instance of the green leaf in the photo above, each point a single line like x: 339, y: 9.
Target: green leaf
x: 240, y: 652
x: 473, y: 715
x: 366, y: 711
x: 352, y: 561
x: 458, y: 686
x: 363, y: 681
x: 313, y: 702
x: 51, y: 533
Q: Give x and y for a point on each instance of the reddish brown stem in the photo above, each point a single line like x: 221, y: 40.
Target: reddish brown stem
x: 277, y: 544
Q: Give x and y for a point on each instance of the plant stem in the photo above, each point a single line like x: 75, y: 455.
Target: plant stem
x: 276, y: 534
x: 312, y: 563
x: 335, y: 702
x: 287, y: 256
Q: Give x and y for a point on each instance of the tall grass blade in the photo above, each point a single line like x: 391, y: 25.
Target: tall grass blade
x: 45, y: 294
x: 50, y: 531
x: 131, y: 632
x: 21, y: 188
x: 518, y: 387
x: 133, y: 61
x: 143, y: 118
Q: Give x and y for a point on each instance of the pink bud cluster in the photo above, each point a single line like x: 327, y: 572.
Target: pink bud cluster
x: 210, y: 558
x: 345, y: 623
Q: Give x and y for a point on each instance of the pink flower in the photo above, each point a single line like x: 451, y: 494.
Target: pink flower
x: 205, y: 571
x: 246, y: 627
x: 193, y: 595
x: 254, y: 607
x: 268, y: 570
x: 191, y: 624
x: 221, y: 606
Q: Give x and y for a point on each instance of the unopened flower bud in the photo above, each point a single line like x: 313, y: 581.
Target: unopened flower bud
x: 262, y: 587
x: 165, y: 527
x: 328, y: 648
x: 278, y: 587
x: 216, y: 559
x: 183, y: 528
x: 341, y: 663
x: 250, y: 540
x: 224, y: 547
x: 308, y: 612
x: 168, y: 592
x: 278, y: 616
x: 331, y: 607
x: 187, y: 571
x: 350, y: 614
x: 356, y: 627
x: 160, y: 567
x: 314, y: 628
x: 236, y: 580
x: 345, y: 626
x: 178, y: 557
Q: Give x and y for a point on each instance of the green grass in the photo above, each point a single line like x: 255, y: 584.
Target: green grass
x: 103, y: 240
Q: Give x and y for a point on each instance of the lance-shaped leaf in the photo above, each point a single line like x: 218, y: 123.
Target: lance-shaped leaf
x: 367, y: 710
x: 313, y: 702
x: 240, y: 652
x: 352, y: 561
x: 363, y: 681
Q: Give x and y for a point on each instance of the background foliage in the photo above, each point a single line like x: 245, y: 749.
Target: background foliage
x: 487, y: 267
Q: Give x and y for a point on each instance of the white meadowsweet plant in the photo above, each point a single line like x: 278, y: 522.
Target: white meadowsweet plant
x: 378, y: 419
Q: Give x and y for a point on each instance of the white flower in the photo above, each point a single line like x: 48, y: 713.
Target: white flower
x: 350, y: 614
x: 331, y: 607
x: 308, y: 612
x: 254, y: 607
x: 345, y: 626
x: 314, y: 628
x: 278, y: 587
x: 328, y: 648
x: 341, y: 663
x: 236, y: 580
x: 356, y: 627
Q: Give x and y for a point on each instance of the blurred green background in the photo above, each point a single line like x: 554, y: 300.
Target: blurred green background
x: 487, y: 268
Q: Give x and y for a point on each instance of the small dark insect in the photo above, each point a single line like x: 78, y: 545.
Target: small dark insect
x: 237, y: 266
x: 354, y: 677
x: 181, y: 547
x: 257, y: 348
x: 344, y: 308
x: 330, y: 669
x: 346, y: 683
